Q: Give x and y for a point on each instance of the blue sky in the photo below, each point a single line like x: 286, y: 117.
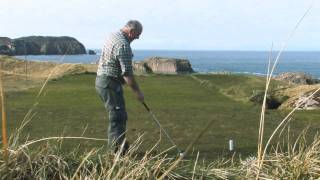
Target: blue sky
x: 169, y: 24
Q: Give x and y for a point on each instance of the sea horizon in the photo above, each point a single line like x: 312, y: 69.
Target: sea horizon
x: 212, y: 61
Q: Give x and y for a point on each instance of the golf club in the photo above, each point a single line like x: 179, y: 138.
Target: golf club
x: 181, y: 153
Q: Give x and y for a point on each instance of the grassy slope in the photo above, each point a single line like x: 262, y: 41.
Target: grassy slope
x: 182, y: 105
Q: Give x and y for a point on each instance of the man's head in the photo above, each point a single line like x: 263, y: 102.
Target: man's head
x: 132, y: 29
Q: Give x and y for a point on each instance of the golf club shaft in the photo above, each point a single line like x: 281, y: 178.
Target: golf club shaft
x: 145, y: 105
x: 158, y: 123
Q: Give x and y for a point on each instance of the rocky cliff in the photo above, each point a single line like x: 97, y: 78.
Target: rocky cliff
x: 41, y: 45
x: 299, y: 95
x: 297, y: 78
x: 163, y: 66
x: 6, y: 46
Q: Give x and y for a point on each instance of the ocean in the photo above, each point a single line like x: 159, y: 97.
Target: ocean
x: 249, y: 62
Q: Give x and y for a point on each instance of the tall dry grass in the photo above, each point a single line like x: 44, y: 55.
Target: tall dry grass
x: 3, y: 121
x: 297, y: 160
x: 47, y: 162
x: 262, y: 149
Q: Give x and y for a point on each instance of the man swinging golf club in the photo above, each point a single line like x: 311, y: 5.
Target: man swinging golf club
x: 115, y: 69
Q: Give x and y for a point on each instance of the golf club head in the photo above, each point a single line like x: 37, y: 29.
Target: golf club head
x: 181, y: 154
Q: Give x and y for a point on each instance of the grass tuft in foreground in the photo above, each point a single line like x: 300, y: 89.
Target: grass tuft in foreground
x: 47, y: 162
x: 299, y: 160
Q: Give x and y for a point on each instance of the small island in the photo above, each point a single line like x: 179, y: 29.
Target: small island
x: 91, y: 52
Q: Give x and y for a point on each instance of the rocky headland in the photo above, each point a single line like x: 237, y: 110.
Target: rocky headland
x: 297, y: 78
x: 160, y: 65
x: 41, y: 45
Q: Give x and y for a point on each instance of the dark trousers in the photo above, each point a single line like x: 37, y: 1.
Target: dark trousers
x: 111, y: 93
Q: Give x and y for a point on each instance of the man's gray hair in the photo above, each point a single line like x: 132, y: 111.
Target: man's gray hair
x: 134, y: 24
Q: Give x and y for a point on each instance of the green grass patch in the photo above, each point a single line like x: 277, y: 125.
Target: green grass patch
x: 182, y: 104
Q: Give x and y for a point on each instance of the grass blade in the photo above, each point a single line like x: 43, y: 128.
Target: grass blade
x: 4, y: 122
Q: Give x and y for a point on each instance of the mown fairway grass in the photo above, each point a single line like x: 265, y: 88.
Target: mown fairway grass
x: 182, y: 104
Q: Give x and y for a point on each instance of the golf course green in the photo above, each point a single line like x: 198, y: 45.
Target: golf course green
x: 183, y: 104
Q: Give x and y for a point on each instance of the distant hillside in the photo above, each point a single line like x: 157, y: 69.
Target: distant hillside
x: 36, y: 69
x: 41, y: 45
x: 20, y: 74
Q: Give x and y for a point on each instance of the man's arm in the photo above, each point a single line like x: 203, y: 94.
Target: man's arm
x: 125, y: 59
x: 134, y: 86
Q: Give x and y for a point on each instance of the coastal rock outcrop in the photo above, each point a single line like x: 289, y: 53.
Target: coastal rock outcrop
x: 6, y: 46
x: 308, y: 103
x: 303, y: 101
x: 296, y: 78
x: 41, y: 45
x: 163, y: 66
x: 299, y: 96
x: 91, y: 52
